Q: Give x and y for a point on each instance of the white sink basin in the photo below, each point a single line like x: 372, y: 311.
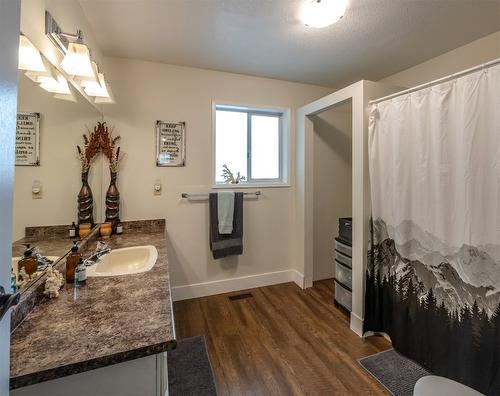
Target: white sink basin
x: 126, y: 261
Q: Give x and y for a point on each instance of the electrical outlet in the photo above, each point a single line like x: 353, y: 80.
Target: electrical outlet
x: 36, y: 190
x: 157, y: 188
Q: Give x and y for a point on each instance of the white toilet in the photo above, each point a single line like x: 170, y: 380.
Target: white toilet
x: 433, y: 385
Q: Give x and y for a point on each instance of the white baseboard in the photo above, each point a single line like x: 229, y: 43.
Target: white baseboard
x: 356, y: 324
x: 233, y: 284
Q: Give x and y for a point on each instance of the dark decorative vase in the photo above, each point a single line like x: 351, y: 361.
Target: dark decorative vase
x: 85, y: 202
x: 113, y: 203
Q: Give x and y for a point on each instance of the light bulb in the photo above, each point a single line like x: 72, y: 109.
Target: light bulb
x: 322, y: 13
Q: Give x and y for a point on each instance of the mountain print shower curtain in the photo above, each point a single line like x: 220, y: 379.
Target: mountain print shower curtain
x: 433, y: 278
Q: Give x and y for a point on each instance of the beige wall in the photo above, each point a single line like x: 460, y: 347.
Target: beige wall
x: 465, y: 57
x: 62, y: 125
x: 332, y: 183
x: 146, y: 92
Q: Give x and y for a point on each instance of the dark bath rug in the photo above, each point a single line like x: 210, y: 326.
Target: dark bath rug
x: 395, y: 372
x: 189, y: 369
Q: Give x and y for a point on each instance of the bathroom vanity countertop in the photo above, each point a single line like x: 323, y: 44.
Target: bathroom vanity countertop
x: 107, y: 321
x: 54, y: 246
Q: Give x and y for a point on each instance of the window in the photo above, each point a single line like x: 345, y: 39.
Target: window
x: 251, y: 142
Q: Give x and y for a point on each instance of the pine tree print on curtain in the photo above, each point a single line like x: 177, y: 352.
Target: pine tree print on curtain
x: 433, y: 279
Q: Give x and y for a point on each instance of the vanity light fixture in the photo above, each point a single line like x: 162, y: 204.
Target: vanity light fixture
x: 76, y: 60
x: 98, y: 89
x: 322, y: 13
x: 89, y: 81
x: 110, y: 99
x: 29, y: 56
x: 67, y: 97
x: 57, y: 86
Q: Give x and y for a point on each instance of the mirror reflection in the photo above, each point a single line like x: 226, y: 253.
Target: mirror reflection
x: 48, y: 174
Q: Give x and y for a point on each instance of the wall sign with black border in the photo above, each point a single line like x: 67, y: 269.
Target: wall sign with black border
x: 170, y: 143
x: 28, y: 139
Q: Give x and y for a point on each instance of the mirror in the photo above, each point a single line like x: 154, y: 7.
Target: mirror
x: 48, y: 174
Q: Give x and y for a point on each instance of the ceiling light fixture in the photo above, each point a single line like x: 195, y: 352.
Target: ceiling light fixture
x: 29, y: 56
x: 322, y: 13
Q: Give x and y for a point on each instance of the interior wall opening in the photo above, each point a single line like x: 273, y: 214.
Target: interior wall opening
x: 332, y: 181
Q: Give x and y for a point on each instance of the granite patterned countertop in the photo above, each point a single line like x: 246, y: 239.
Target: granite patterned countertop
x: 55, y: 246
x: 107, y: 321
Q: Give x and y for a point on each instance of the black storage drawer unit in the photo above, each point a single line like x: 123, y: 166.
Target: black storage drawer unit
x: 344, y: 248
x: 345, y: 229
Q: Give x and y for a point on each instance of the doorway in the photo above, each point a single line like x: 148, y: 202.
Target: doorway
x: 332, y: 180
x: 358, y: 95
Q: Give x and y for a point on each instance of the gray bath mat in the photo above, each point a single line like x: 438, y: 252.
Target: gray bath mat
x: 395, y: 372
x: 189, y: 369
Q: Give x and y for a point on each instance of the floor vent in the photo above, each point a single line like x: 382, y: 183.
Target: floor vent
x: 240, y: 296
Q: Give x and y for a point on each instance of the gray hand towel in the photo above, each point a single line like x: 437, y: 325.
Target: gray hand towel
x: 223, y: 245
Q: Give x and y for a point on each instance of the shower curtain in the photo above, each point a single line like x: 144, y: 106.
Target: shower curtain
x: 433, y: 278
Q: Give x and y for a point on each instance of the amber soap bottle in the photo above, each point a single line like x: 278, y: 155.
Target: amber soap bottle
x: 72, y: 262
x: 28, y: 262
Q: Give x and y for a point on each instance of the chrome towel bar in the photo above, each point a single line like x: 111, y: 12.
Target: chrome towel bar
x: 186, y: 195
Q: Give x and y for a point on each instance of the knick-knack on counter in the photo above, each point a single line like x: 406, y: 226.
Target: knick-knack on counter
x: 54, y: 282
x: 105, y: 230
x: 72, y: 230
x: 113, y: 202
x: 85, y: 200
x: 108, y: 146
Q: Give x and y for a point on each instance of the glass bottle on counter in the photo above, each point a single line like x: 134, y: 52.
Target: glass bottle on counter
x: 80, y: 274
x: 13, y: 281
x: 72, y: 262
x: 72, y: 230
x: 28, y: 262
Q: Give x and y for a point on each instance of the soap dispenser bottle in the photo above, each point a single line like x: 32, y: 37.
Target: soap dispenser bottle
x: 72, y: 262
x: 72, y: 230
x: 81, y: 274
x: 28, y: 262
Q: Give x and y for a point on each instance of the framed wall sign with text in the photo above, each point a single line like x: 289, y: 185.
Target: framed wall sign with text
x: 28, y: 139
x: 170, y: 143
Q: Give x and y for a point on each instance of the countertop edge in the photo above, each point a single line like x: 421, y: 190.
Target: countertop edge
x: 80, y: 367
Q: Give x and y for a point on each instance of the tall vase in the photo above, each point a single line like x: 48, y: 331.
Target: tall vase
x: 85, y: 202
x: 113, y: 203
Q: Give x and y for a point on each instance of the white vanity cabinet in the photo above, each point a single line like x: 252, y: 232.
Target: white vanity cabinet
x: 147, y: 376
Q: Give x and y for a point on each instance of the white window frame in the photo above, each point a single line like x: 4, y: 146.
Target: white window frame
x: 284, y: 146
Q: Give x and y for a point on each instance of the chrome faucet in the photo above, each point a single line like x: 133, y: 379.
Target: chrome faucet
x: 101, y: 249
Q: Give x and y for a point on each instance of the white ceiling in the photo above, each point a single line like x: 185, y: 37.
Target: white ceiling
x: 376, y: 38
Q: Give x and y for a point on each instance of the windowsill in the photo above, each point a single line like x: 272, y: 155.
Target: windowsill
x: 251, y: 185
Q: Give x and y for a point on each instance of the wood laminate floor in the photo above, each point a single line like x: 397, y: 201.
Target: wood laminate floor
x: 280, y: 341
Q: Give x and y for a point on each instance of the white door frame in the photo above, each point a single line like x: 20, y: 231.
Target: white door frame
x: 360, y: 94
x: 9, y: 42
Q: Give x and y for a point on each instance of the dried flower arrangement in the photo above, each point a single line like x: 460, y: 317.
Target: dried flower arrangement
x: 53, y: 283
x: 90, y: 149
x: 108, y: 144
x: 229, y: 176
